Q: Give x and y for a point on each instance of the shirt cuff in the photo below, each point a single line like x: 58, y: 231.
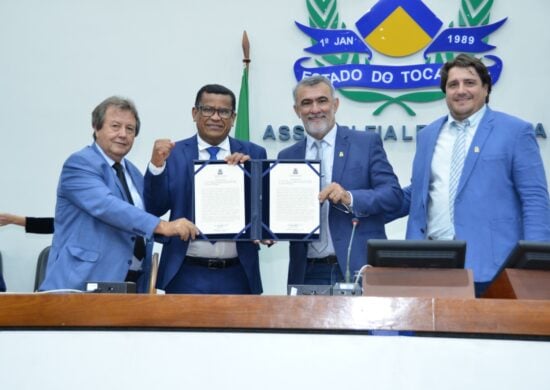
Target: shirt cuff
x: 350, y: 207
x: 155, y: 171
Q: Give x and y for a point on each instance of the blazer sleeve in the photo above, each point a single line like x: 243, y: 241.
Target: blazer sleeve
x: 530, y: 183
x: 403, y: 211
x: 156, y: 193
x: 259, y: 152
x: 39, y: 225
x: 384, y: 194
x: 84, y: 184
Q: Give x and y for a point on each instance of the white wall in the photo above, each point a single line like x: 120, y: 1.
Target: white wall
x: 60, y: 58
x: 184, y: 360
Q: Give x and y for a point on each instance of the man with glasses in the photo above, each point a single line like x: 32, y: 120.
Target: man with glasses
x: 201, y: 267
x: 358, y: 187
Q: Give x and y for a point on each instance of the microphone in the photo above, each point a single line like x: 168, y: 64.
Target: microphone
x: 354, y: 223
x: 348, y: 288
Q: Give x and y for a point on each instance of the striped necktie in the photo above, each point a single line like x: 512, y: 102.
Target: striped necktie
x: 457, y: 162
x: 322, y: 244
x: 320, y: 149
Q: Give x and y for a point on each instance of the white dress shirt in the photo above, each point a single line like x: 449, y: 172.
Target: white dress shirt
x: 203, y: 248
x: 136, y: 196
x: 137, y: 264
x: 328, y: 162
x: 439, y: 218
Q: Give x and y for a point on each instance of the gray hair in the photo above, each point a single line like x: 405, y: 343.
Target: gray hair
x: 311, y: 81
x: 98, y: 115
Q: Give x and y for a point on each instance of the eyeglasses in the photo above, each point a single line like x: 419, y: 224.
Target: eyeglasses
x: 207, y: 112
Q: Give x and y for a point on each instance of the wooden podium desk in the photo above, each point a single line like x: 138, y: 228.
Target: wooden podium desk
x: 418, y: 282
x: 520, y: 284
x: 102, y: 341
x: 276, y: 313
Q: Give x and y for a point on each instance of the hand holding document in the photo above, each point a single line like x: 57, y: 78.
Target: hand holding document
x: 260, y: 200
x: 219, y: 198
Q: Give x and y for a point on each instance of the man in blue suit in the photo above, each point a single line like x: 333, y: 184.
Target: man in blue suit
x: 358, y: 187
x: 201, y: 267
x: 100, y: 226
x: 499, y: 194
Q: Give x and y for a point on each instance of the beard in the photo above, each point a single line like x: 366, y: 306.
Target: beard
x: 317, y: 126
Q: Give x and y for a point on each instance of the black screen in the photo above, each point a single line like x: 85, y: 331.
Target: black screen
x: 529, y: 255
x: 416, y: 253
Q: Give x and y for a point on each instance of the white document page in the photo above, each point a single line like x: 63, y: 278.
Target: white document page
x: 219, y: 199
x: 293, y: 192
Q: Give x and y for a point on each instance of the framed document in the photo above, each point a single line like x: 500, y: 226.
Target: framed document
x: 220, y: 198
x: 290, y: 196
x: 260, y: 199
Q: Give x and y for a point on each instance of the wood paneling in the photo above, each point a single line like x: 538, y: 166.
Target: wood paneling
x: 276, y: 313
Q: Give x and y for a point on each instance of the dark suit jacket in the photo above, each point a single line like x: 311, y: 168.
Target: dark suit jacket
x: 172, y: 191
x: 361, y: 167
x: 502, y: 195
x: 39, y: 225
x: 95, y: 226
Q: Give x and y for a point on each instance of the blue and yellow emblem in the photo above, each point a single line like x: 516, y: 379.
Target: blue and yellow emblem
x: 399, y: 28
x: 394, y: 28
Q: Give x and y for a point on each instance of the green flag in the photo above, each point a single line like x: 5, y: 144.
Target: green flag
x: 242, y: 127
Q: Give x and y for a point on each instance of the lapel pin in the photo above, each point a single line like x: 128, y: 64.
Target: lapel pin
x: 341, y: 154
x: 476, y: 149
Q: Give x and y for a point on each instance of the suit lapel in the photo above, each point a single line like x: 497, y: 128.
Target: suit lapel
x: 296, y: 151
x: 110, y: 175
x: 301, y: 149
x: 482, y: 134
x: 236, y: 146
x: 191, y: 148
x: 137, y: 178
x: 190, y: 152
x: 427, y: 157
x: 341, y: 148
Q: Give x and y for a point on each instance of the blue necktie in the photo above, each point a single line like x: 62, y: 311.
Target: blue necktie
x: 213, y: 152
x: 457, y: 163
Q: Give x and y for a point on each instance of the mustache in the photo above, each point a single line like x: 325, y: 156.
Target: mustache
x: 316, y: 116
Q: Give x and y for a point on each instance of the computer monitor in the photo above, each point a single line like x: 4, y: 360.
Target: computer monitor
x: 416, y: 253
x: 529, y: 255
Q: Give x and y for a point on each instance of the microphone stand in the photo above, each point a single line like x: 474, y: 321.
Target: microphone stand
x: 348, y: 288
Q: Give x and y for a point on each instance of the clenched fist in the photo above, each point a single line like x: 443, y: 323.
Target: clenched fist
x: 161, y: 151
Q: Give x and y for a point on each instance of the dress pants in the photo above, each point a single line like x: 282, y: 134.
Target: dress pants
x: 318, y: 273
x: 196, y: 279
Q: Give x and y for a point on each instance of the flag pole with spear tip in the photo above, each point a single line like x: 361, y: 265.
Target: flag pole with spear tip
x: 242, y: 130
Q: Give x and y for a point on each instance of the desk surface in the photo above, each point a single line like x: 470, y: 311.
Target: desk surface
x: 276, y: 313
